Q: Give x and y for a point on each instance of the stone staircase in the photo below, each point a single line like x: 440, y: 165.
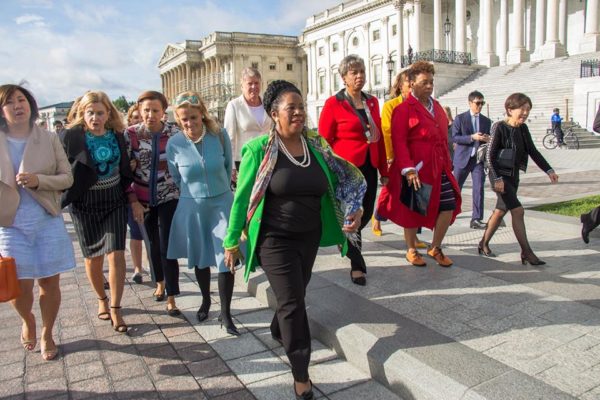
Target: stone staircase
x: 549, y: 83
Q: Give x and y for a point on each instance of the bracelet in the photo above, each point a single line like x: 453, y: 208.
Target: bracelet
x: 233, y: 249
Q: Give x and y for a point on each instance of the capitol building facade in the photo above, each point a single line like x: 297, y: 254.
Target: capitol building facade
x: 448, y: 32
x: 459, y: 36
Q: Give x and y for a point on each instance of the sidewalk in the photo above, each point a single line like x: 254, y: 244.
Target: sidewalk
x: 483, y: 329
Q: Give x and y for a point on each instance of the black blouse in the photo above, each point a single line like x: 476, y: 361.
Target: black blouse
x: 505, y: 136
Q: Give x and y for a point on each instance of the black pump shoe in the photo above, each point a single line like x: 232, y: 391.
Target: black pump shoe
x: 202, y: 313
x: 531, y: 259
x: 360, y: 281
x: 230, y: 327
x: 307, y: 395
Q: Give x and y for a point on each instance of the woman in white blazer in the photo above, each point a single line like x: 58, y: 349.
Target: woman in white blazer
x: 245, y: 116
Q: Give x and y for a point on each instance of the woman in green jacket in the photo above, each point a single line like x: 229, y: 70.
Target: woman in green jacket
x: 293, y: 195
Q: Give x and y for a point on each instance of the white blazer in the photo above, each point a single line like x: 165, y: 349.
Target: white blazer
x: 241, y: 125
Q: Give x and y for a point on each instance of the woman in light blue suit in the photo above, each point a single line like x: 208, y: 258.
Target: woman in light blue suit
x: 199, y: 160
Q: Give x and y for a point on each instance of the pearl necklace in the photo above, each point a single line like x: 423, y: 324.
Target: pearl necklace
x: 305, y: 153
x: 200, y: 138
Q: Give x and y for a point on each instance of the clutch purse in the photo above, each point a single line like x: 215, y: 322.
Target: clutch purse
x: 415, y: 200
x: 506, y: 158
x: 9, y: 284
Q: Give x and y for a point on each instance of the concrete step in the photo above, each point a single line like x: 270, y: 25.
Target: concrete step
x: 411, y: 359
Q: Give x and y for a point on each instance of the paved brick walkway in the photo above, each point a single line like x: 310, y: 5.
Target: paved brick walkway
x: 543, y: 322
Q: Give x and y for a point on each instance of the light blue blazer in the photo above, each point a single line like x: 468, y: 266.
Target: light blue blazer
x: 200, y: 170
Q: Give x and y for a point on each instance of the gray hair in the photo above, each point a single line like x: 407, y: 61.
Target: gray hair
x: 349, y: 62
x: 250, y: 72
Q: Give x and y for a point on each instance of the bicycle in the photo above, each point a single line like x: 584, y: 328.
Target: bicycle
x: 570, y: 139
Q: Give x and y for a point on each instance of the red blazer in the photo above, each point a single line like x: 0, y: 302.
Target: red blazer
x: 418, y: 136
x: 342, y: 129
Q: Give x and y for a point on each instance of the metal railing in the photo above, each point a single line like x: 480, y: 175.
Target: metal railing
x: 439, y: 56
x: 589, y: 68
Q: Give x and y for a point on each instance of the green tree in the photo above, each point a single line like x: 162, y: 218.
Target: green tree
x: 122, y: 104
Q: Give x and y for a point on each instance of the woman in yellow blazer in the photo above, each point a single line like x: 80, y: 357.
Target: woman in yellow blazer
x: 400, y: 90
x: 33, y: 171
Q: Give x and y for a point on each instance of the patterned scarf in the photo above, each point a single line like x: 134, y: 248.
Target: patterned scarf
x: 347, y: 196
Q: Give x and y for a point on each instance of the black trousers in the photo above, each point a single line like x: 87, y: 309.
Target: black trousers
x: 157, y: 222
x: 287, y: 259
x: 357, y: 262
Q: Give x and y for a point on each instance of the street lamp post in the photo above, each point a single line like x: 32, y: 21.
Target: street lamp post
x: 391, y: 64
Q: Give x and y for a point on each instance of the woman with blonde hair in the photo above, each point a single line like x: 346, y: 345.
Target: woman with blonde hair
x: 33, y: 171
x: 200, y: 162
x: 97, y: 152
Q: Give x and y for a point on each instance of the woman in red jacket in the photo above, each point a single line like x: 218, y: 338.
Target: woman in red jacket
x: 350, y: 122
x: 420, y: 141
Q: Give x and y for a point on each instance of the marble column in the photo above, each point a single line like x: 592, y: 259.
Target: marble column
x: 517, y: 53
x: 540, y: 25
x: 562, y: 22
x: 552, y: 48
x: 489, y: 57
x: 437, y: 24
x: 328, y: 82
x: 460, y: 8
x: 503, y: 38
x: 399, y: 5
x: 591, y: 39
x: 416, y: 45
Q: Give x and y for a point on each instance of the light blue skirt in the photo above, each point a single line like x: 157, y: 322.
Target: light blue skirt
x: 39, y: 243
x: 198, y: 229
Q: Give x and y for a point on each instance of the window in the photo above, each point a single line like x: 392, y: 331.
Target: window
x: 377, y: 74
x: 321, y: 82
x: 272, y: 67
x: 376, y: 35
x: 321, y: 50
x: 355, y: 42
x: 290, y: 67
x: 394, y: 30
x: 336, y: 81
x: 255, y: 65
x: 334, y: 47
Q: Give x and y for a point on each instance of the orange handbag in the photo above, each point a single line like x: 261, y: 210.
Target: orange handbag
x: 9, y: 284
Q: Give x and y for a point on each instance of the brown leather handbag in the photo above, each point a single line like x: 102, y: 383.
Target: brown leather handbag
x: 9, y: 284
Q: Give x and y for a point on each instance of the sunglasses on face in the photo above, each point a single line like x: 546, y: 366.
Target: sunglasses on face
x: 193, y: 100
x: 479, y: 103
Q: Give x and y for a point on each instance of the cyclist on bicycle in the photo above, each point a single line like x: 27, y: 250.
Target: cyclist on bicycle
x: 556, y: 120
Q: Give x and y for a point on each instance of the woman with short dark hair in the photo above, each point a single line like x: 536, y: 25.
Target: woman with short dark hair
x: 351, y: 124
x: 156, y: 191
x: 512, y: 134
x: 33, y: 171
x: 294, y: 195
x: 420, y: 141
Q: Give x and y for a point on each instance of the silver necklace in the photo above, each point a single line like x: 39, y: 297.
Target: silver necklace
x: 305, y: 153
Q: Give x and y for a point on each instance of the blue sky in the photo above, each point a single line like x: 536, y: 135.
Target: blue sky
x: 63, y: 48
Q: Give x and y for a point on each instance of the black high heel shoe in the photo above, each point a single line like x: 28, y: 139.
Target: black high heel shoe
x: 202, y: 312
x: 230, y: 327
x: 484, y: 253
x: 360, y: 280
x: 531, y: 259
x: 121, y: 328
x: 307, y: 395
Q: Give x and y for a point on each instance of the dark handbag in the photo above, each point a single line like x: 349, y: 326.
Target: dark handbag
x: 9, y: 284
x: 415, y: 200
x: 506, y: 159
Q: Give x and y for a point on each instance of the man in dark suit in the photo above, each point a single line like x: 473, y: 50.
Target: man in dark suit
x: 470, y: 130
x: 592, y: 219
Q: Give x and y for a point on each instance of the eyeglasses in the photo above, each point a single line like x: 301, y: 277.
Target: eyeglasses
x: 479, y: 103
x: 193, y: 100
